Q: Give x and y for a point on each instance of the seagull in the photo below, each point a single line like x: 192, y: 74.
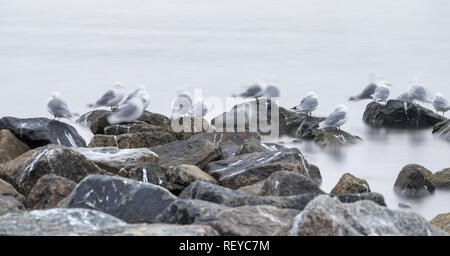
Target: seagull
x: 381, y: 92
x: 182, y: 104
x: 308, y: 104
x: 130, y: 111
x: 199, y: 109
x: 253, y: 90
x: 133, y: 94
x: 271, y: 91
x: 441, y: 104
x: 110, y: 98
x: 368, y: 91
x: 58, y: 108
x: 336, y: 119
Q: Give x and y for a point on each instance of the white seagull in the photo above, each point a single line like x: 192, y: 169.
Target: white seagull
x: 441, y: 104
x: 133, y: 94
x: 130, y: 111
x: 110, y: 98
x: 336, y: 119
x: 308, y: 104
x: 58, y: 108
x: 381, y: 92
x: 182, y: 104
x: 369, y: 90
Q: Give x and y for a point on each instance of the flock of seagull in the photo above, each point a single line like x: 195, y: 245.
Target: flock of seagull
x: 132, y: 107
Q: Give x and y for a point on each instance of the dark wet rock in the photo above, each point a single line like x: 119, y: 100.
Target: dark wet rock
x: 172, y: 178
x: 326, y: 216
x: 400, y: 114
x: 441, y: 179
x: 49, y: 190
x: 349, y: 184
x: 132, y: 140
x: 24, y: 171
x: 129, y: 200
x: 55, y: 222
x: 10, y: 204
x: 155, y: 230
x: 442, y: 221
x: 184, y: 128
x: 334, y: 137
x: 10, y: 146
x: 229, y: 142
x: 442, y: 130
x: 194, y: 151
x: 371, y: 196
x: 7, y: 189
x: 413, y: 181
x: 135, y: 127
x: 155, y: 119
x: 260, y: 220
x: 185, y: 212
x: 99, y: 123
x: 113, y: 159
x: 298, y: 125
x: 87, y: 119
x: 247, y: 169
x: 252, y: 146
x: 37, y: 132
x: 284, y: 183
x: 216, y: 194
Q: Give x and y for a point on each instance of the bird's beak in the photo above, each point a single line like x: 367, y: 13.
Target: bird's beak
x: 388, y: 84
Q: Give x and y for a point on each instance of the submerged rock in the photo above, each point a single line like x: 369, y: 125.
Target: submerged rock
x: 193, y: 151
x: 132, y: 140
x: 335, y: 137
x: 113, y: 159
x: 285, y: 183
x: 400, y: 114
x: 131, y: 201
x: 55, y: 222
x: 413, y: 181
x: 442, y: 130
x: 10, y: 146
x: 10, y: 204
x: 325, y: 216
x: 38, y: 132
x: 247, y: 169
x: 442, y: 221
x: 24, y: 171
x: 49, y: 190
x: 349, y: 184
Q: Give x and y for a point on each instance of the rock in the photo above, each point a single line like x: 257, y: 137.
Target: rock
x: 49, y: 190
x: 335, y: 137
x: 284, y: 183
x: 24, y: 171
x: 7, y: 189
x: 131, y: 201
x: 442, y: 130
x: 441, y: 179
x: 99, y: 122
x: 412, y: 181
x: 216, y: 194
x: 349, y: 184
x: 442, y: 221
x: 194, y: 151
x: 298, y: 125
x: 113, y: 159
x: 400, y: 114
x: 260, y: 220
x: 10, y: 146
x: 38, y: 132
x: 87, y: 119
x: 155, y: 230
x: 172, y: 178
x: 132, y: 140
x: 325, y: 216
x: 135, y: 127
x: 55, y: 222
x: 184, y: 128
x: 154, y: 119
x: 229, y: 142
x: 247, y: 169
x: 185, y: 212
x: 314, y: 173
x: 252, y: 146
x: 10, y: 204
x: 372, y: 196
x: 254, y: 189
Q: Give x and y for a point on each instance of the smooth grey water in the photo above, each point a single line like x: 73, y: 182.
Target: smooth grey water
x: 81, y: 48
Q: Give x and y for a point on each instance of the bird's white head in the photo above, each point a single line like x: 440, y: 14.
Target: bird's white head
x: 119, y: 86
x: 341, y: 108
x: 384, y: 83
x: 143, y: 95
x: 56, y: 95
x: 438, y: 94
x: 141, y: 87
x: 312, y: 94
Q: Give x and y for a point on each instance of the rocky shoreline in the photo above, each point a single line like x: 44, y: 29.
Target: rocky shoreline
x: 144, y: 178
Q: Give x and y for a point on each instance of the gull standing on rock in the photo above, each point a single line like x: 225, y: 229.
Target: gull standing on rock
x: 441, y: 104
x: 111, y: 98
x: 336, y: 119
x: 130, y: 111
x: 58, y: 108
x: 134, y: 94
x: 182, y: 104
x: 382, y: 92
x: 252, y: 90
x: 308, y: 104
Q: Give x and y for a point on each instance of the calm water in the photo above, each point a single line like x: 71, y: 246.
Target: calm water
x: 81, y: 48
